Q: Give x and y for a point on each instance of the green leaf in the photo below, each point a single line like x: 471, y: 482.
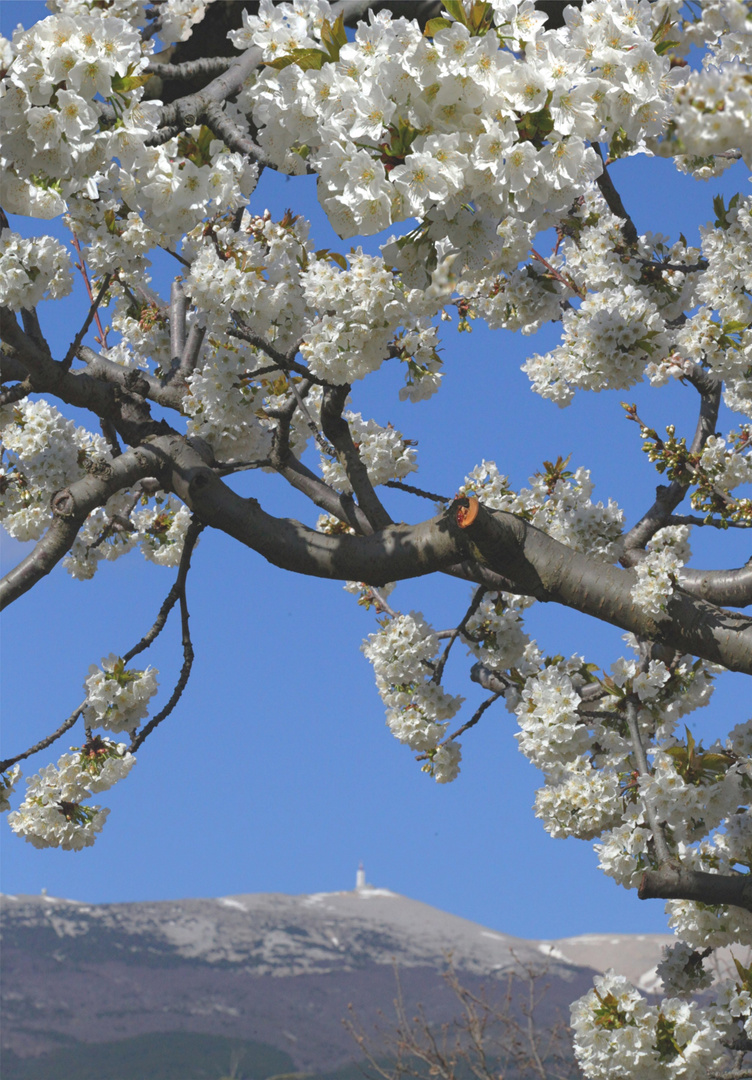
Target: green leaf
x: 334, y: 256
x: 334, y: 37
x: 434, y: 25
x: 306, y: 59
x: 121, y: 84
x: 665, y: 46
x: 457, y: 10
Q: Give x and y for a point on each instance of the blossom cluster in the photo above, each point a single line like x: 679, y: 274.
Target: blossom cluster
x: 49, y: 118
x: 558, y: 502
x: 117, y: 697
x: 55, y: 811
x: 40, y: 453
x: 403, y: 654
x: 32, y: 270
x: 666, y: 553
x: 397, y: 123
x: 116, y: 528
x: 615, y: 1026
x: 383, y: 451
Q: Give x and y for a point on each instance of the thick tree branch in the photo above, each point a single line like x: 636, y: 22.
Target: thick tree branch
x: 534, y: 563
x: 71, y: 506
x: 130, y: 379
x: 337, y: 431
x: 676, y: 882
x: 728, y: 588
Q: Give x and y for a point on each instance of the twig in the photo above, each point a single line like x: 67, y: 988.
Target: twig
x: 475, y: 717
x: 191, y: 536
x: 474, y: 605
x: 15, y: 393
x: 102, y: 339
x: 44, y: 743
x: 613, y: 199
x: 659, y: 836
x: 417, y: 491
x: 465, y: 727
x: 76, y: 343
x: 557, y: 274
x: 224, y: 468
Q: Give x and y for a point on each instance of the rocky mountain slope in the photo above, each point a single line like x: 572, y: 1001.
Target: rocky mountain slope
x: 278, y: 969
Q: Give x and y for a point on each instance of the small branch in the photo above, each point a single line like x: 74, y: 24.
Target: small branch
x: 489, y: 680
x: 76, y: 343
x: 659, y: 836
x: 417, y: 491
x: 284, y: 416
x: 225, y: 468
x: 102, y: 339
x: 44, y: 743
x: 191, y: 536
x: 333, y: 502
x: 668, y: 497
x: 474, y: 718
x: 692, y: 519
x: 677, y: 268
x: 283, y: 361
x: 15, y: 393
x: 191, y: 351
x: 613, y: 199
x: 213, y: 65
x: 33, y: 330
x: 232, y: 135
x: 178, y: 312
x: 337, y: 430
x: 132, y: 380
x: 474, y: 605
x: 110, y: 434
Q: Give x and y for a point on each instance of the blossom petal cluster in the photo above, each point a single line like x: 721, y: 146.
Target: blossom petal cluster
x: 117, y: 697
x: 56, y: 811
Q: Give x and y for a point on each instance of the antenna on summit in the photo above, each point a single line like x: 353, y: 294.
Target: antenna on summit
x: 360, y: 877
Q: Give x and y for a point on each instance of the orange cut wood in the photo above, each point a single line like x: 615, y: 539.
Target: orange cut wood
x: 466, y: 515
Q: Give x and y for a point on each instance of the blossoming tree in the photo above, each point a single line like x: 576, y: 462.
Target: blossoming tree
x: 472, y: 130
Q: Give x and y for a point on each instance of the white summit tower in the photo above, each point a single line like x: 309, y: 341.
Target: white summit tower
x: 360, y: 878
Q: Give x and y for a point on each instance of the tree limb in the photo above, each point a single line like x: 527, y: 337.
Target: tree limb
x: 337, y: 431
x: 71, y: 506
x: 533, y: 562
x: 676, y: 882
x: 728, y: 588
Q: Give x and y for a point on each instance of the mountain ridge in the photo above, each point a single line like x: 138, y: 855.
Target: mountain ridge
x: 270, y: 967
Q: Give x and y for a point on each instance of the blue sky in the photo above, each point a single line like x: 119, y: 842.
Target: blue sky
x: 276, y: 772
